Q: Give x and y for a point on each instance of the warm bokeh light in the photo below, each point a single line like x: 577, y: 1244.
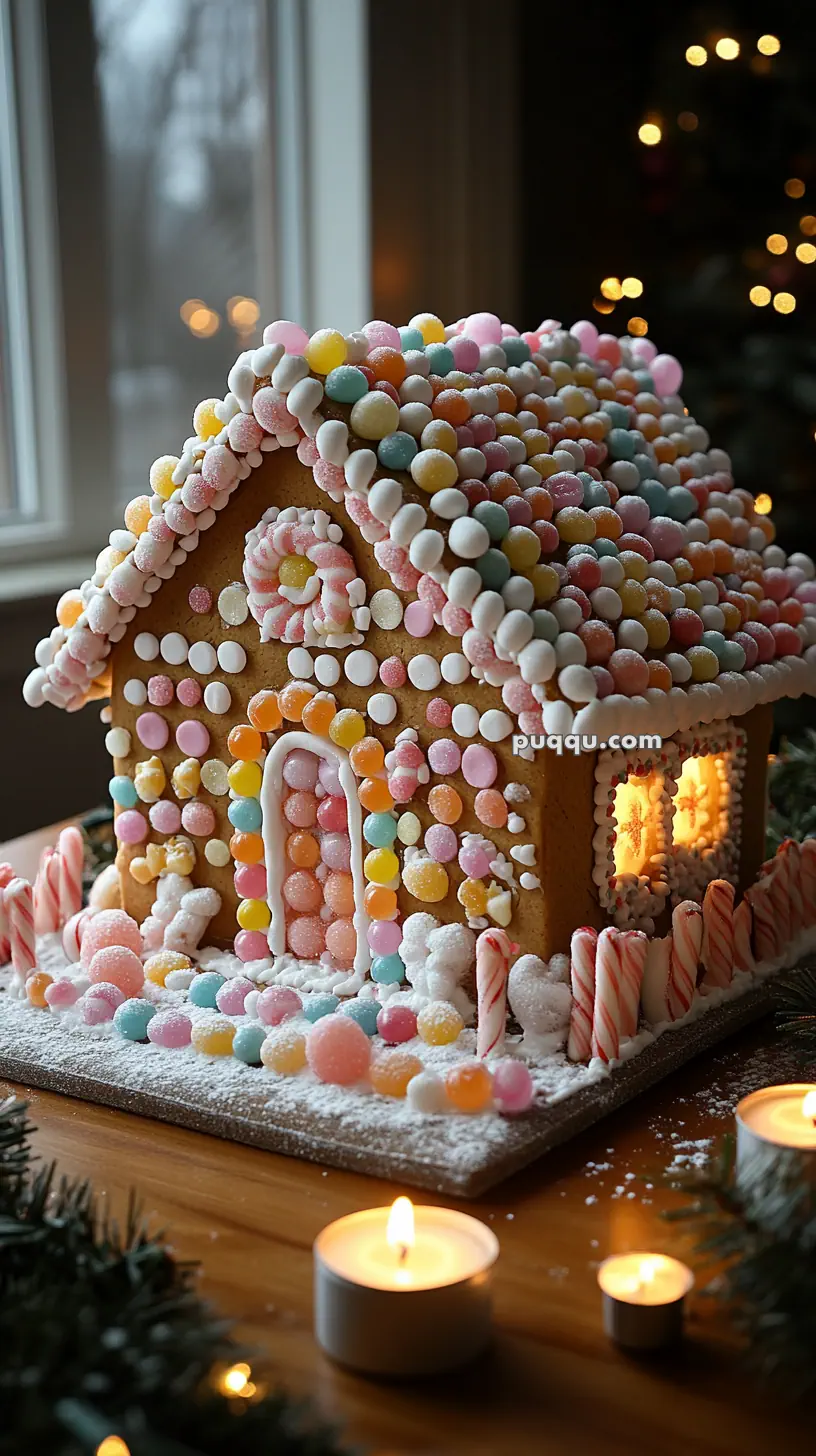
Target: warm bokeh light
x: 795, y: 187
x: 612, y: 288
x: 760, y: 295
x: 768, y: 45
x: 204, y: 322
x: 763, y: 504
x: 113, y: 1446
x: 243, y: 313
x: 603, y: 305
x: 777, y: 243
x: 638, y: 326
x: 235, y: 1380
x: 784, y: 302
x: 727, y: 49
x: 807, y: 225
x: 631, y: 288
x: 806, y: 253
x: 688, y: 121
x: 189, y: 307
x: 696, y: 55
x: 697, y: 802
x: 650, y: 133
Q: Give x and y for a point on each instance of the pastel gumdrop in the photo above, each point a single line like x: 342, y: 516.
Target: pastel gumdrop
x: 230, y: 997
x: 318, y: 1006
x: 284, y: 1051
x: 396, y: 1024
x: 392, y: 1071
x: 365, y: 1013
x: 131, y: 1019
x: 170, y: 1029
x: 427, y: 1093
x: 338, y: 1051
x: 469, y: 1086
x: 118, y: 966
x: 213, y: 1037
x: 247, y: 1044
x: 159, y: 966
x: 204, y: 989
x: 439, y: 1023
x: 277, y: 1004
x: 37, y: 987
x: 62, y: 992
x: 513, y: 1089
x: 109, y: 927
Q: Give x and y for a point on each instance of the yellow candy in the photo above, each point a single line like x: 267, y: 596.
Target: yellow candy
x: 216, y: 852
x: 409, y: 828
x: 391, y: 1072
x: 473, y: 895
x: 426, y: 880
x: 180, y: 856
x: 214, y: 1036
x: 284, y: 1050
x: 704, y: 664
x: 545, y: 581
x: 205, y: 421
x: 575, y: 401
x: 633, y: 597
x: 522, y: 548
x: 325, y: 351
x: 137, y: 514
x: 561, y: 374
x: 431, y: 328
x: 149, y: 779
x: 381, y: 866
x: 374, y: 416
x: 575, y: 526
x: 657, y: 627
x: 635, y: 566
x: 507, y: 425
x: 434, y: 470
x: 245, y: 778
x: 186, y: 778
x: 161, y: 479
x: 69, y: 608
x: 545, y: 465
x: 253, y: 915
x: 693, y: 596
x: 156, y: 858
x: 107, y: 559
x: 295, y: 571
x: 140, y: 871
x: 733, y: 619
x: 158, y: 966
x: 347, y: 728
x: 439, y: 435
x: 439, y: 1023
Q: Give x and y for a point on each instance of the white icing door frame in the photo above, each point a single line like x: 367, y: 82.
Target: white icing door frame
x: 274, y: 843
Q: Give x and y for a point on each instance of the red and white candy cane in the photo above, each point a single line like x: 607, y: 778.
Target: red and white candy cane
x: 583, y: 948
x: 766, y: 942
x: 72, y: 858
x: 791, y: 853
x: 779, y: 883
x: 494, y: 950
x: 633, y: 947
x: 6, y: 877
x: 717, y: 953
x: 606, y: 1015
x: 743, y: 926
x: 687, y: 940
x: 46, y: 892
x: 18, y: 902
x: 72, y: 933
x: 807, y: 862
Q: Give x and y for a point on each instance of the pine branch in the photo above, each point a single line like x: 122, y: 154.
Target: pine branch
x: 796, y: 1009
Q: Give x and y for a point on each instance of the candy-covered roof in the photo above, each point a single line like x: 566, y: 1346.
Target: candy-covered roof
x: 547, y: 495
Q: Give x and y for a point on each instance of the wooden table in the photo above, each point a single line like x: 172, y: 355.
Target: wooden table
x: 552, y: 1384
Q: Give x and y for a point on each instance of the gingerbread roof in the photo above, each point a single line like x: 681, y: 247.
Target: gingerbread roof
x: 546, y: 496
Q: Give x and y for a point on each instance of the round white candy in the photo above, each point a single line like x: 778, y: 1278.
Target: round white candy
x: 214, y: 775
x: 202, y: 657
x: 606, y: 603
x: 216, y: 852
x: 360, y: 668
x: 415, y: 415
x: 299, y: 662
x: 407, y: 524
x: 518, y: 594
x: 537, y: 661
x: 327, y: 670
x: 217, y: 697
x: 464, y: 585
x: 569, y: 649
x: 174, y: 648
x: 135, y: 692
x: 578, y: 684
x: 384, y: 499
x: 146, y: 646
x: 386, y: 609
x: 425, y: 551
x: 424, y: 672
x: 231, y: 656
x: 567, y: 613
x: 494, y: 725
x: 468, y: 538
x: 449, y: 504
x: 117, y: 742
x: 233, y: 607
x: 633, y: 635
x: 381, y: 708
x: 455, y: 667
x: 426, y: 1093
x: 465, y: 720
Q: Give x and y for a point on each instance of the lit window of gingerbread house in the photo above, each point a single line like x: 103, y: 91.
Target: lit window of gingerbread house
x: 706, y: 807
x: 697, y: 801
x: 638, y: 822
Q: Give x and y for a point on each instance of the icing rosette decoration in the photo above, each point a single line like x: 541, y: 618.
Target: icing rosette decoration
x: 298, y: 577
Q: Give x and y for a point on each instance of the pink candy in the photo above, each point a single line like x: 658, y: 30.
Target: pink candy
x: 293, y: 336
x: 667, y: 373
x: 61, y: 993
x: 200, y: 599
x: 251, y: 945
x: 393, y: 673
x: 300, y: 809
x: 338, y: 1050
x: 438, y: 713
x: 332, y: 813
x: 565, y: 489
x: 483, y: 328
x: 587, y: 335
x: 250, y: 881
x: 192, y: 738
x: 188, y: 692
x: 634, y: 512
x: 109, y: 927
x: 513, y: 1089
x: 118, y: 966
x: 130, y: 827
x: 667, y: 537
x: 444, y: 756
x: 271, y: 412
x: 306, y: 937
x: 329, y: 776
x: 300, y: 769
x: 479, y: 766
x: 384, y: 936
x: 381, y: 335
x: 465, y: 353
x: 335, y: 851
x: 277, y: 1004
x: 198, y: 819
x: 152, y: 730
x: 165, y: 817
x: 418, y: 619
x: 441, y: 842
x: 230, y: 997
x: 474, y: 861
x: 170, y: 1029
x: 159, y: 690
x: 630, y: 671
x: 396, y: 1024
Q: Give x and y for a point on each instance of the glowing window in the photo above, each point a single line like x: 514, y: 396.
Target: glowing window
x: 638, y: 818
x: 698, y: 802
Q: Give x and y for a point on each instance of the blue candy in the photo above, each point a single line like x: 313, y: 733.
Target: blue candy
x: 245, y: 815
x: 494, y: 568
x: 346, y: 384
x: 680, y: 503
x: 621, y: 444
x: 131, y: 1018
x: 410, y: 338
x: 318, y: 1006
x: 389, y: 970
x: 397, y: 451
x: 731, y: 656
x: 365, y: 1013
x: 204, y: 989
x: 123, y: 791
x: 605, y: 547
x: 247, y: 1043
x: 617, y: 413
x: 440, y: 359
x: 655, y: 495
x: 494, y: 518
x: 380, y: 830
x: 516, y: 351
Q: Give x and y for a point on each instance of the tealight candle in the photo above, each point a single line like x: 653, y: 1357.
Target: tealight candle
x: 404, y: 1291
x: 643, y: 1298
x: 776, y: 1131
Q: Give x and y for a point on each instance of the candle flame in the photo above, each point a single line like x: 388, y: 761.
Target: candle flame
x: 809, y: 1105
x: 399, y: 1232
x: 647, y: 1271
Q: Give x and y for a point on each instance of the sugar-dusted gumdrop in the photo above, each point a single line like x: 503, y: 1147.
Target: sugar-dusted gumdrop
x: 365, y: 1013
x: 214, y: 1036
x: 439, y: 1023
x: 118, y: 966
x: 391, y: 1072
x: 277, y: 1004
x: 427, y: 1093
x: 100, y: 1003
x: 338, y: 1051
x: 109, y: 927
x: 132, y: 1017
x: 396, y: 1024
x: 469, y: 1086
x: 318, y: 1006
x: 247, y: 1043
x: 513, y: 1089
x: 37, y: 987
x: 170, y: 1029
x: 284, y: 1050
x: 61, y: 993
x: 159, y: 966
x: 204, y: 989
x: 426, y: 880
x: 230, y: 997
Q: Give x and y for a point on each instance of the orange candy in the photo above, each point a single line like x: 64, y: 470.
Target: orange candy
x: 303, y: 850
x: 452, y: 406
x: 445, y: 804
x: 36, y: 987
x: 375, y: 795
x: 367, y: 757
x: 469, y: 1086
x: 659, y: 675
x: 719, y: 524
x: 387, y: 364
x: 245, y: 742
x: 246, y: 848
x: 391, y: 1072
x: 319, y: 714
x: 608, y: 523
x: 701, y: 558
x: 380, y: 903
x: 69, y: 608
x: 293, y: 699
x: 723, y: 557
x: 338, y: 892
x: 264, y: 711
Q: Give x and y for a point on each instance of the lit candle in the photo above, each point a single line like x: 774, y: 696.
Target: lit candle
x: 776, y: 1131
x: 643, y: 1298
x: 404, y: 1291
